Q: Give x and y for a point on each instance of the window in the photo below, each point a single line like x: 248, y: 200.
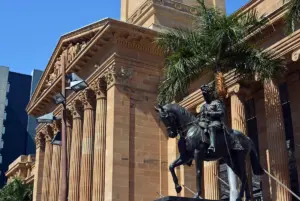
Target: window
x: 6, y: 102
x: 4, y: 115
x: 0, y: 159
x: 3, y: 130
x: 8, y: 87
x: 1, y: 144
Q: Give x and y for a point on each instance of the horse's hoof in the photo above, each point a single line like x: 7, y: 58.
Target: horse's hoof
x: 190, y: 163
x: 196, y: 196
x: 178, y: 189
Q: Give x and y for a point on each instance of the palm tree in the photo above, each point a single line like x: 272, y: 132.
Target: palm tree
x: 293, y: 15
x: 216, y: 42
x: 16, y: 190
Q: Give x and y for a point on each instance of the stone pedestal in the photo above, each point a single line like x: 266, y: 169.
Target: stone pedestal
x: 276, y: 142
x: 173, y: 198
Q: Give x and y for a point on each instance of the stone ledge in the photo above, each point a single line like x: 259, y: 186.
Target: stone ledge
x: 174, y: 198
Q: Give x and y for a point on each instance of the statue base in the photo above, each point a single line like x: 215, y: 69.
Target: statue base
x: 174, y: 198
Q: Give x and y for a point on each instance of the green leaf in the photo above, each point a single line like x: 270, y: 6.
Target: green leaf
x: 215, y: 41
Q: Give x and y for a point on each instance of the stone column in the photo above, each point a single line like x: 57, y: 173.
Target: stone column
x: 47, y: 163
x: 238, y: 122
x: 39, y: 164
x: 55, y: 175
x: 56, y: 167
x: 99, y: 145
x: 75, y: 155
x: 117, y: 164
x: 69, y: 135
x: 211, y: 174
x: 88, y: 100
x: 276, y: 141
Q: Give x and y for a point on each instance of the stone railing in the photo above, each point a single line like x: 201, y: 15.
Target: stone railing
x: 22, y: 168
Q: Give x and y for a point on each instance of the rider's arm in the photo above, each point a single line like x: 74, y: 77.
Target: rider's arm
x: 201, y: 113
x: 219, y: 110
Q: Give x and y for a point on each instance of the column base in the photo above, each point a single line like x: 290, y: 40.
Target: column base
x: 175, y: 198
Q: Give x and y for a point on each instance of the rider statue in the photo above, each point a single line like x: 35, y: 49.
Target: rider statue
x: 211, y: 116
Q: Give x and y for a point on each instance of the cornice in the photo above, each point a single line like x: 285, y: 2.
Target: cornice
x: 248, y: 6
x: 121, y: 33
x: 58, y: 49
x: 100, y: 72
x: 170, y: 4
x: 270, y: 20
x: 285, y: 45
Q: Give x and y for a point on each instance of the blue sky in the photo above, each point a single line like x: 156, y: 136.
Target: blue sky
x: 30, y: 30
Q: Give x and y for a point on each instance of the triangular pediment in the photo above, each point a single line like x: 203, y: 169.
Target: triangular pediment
x: 67, y: 48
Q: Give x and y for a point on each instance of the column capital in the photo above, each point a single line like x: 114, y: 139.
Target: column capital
x: 295, y: 55
x: 99, y: 87
x: 39, y: 140
x: 76, y: 109
x: 69, y: 117
x: 48, y: 132
x: 88, y: 99
x: 118, y: 75
x: 56, y: 126
x: 238, y: 89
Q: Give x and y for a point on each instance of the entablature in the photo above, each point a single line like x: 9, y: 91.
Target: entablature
x: 112, y: 33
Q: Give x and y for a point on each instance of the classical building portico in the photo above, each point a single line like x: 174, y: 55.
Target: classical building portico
x: 116, y: 145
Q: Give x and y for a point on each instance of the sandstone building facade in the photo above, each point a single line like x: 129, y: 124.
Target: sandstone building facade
x: 117, y: 149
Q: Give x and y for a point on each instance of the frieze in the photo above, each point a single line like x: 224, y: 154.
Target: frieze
x: 167, y: 3
x: 68, y: 55
x: 137, y: 41
x: 176, y: 5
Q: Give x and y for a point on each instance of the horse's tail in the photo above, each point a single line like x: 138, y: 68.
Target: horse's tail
x: 256, y: 167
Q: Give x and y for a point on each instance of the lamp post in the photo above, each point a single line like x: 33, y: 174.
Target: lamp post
x: 64, y: 184
x: 76, y: 84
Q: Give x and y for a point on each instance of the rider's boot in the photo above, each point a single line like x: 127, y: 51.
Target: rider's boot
x: 212, y: 136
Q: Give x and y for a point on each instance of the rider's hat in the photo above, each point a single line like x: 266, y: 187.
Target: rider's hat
x: 206, y: 88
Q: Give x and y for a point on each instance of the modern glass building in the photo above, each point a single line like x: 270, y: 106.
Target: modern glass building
x: 30, y: 147
x: 15, y: 125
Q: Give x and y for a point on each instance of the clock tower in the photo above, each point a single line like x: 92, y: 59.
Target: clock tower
x: 160, y: 14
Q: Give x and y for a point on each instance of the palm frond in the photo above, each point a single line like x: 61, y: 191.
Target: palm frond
x: 216, y: 41
x: 250, y: 61
x: 293, y: 15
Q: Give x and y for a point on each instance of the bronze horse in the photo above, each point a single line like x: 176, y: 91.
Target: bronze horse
x: 231, y: 146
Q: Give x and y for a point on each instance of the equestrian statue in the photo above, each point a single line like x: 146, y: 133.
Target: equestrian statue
x: 207, y: 138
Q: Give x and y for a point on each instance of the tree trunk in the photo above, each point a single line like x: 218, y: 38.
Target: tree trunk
x: 220, y: 84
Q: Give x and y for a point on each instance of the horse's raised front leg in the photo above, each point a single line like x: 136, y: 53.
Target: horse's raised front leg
x: 199, y: 163
x: 179, y: 161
